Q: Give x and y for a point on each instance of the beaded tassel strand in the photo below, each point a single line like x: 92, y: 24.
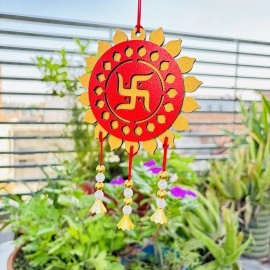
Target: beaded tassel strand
x: 159, y: 215
x: 98, y: 206
x: 125, y: 223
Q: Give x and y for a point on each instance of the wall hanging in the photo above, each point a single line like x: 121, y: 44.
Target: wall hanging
x: 136, y: 93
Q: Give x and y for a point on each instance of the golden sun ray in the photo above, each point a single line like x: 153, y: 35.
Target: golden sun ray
x: 186, y: 64
x: 99, y: 129
x: 168, y: 133
x: 173, y: 47
x: 84, y: 80
x: 157, y: 37
x: 191, y: 84
x: 84, y: 99
x: 119, y: 37
x: 103, y: 46
x: 190, y: 105
x: 181, y: 123
x: 114, y: 142
x: 150, y: 146
x: 135, y: 145
x: 91, y: 62
x: 89, y: 117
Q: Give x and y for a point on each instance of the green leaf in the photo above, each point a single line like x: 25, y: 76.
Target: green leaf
x: 229, y: 260
x: 73, y: 232
x: 214, y: 265
x: 45, y: 230
x: 215, y: 250
x: 78, y: 250
x: 266, y: 104
x: 39, y: 259
x: 230, y: 243
x: 117, y: 266
x: 195, y: 221
x: 31, y: 247
x: 56, y: 245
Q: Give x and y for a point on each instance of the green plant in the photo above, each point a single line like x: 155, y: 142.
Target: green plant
x: 243, y: 179
x: 256, y: 141
x: 182, y: 255
x: 230, y: 177
x: 226, y: 250
x: 255, y: 117
x: 56, y: 231
x: 205, y: 216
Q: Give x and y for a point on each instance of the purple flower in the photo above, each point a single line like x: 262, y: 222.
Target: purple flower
x: 178, y: 192
x: 155, y: 170
x: 149, y: 163
x: 118, y: 181
x: 182, y: 193
x: 191, y: 194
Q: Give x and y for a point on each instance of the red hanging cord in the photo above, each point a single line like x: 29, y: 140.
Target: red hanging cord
x: 139, y: 13
x: 130, y: 157
x: 101, y: 147
x: 165, y: 150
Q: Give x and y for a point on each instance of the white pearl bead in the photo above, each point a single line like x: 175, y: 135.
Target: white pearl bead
x: 127, y: 209
x: 161, y: 203
x: 99, y: 194
x: 128, y: 192
x: 162, y: 184
x: 100, y: 177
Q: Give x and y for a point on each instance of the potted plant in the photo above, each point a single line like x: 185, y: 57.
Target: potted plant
x: 55, y: 231
x: 243, y: 179
x: 228, y: 249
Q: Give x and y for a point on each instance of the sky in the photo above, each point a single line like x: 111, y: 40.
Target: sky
x: 246, y: 19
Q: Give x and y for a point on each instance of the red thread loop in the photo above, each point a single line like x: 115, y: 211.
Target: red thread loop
x: 139, y: 13
x: 100, y: 137
x: 165, y: 150
x: 130, y: 155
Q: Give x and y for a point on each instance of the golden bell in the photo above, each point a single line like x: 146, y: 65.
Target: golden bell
x: 98, y: 207
x: 159, y: 216
x: 125, y: 223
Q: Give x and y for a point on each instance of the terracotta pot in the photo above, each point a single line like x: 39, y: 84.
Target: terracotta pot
x: 11, y: 258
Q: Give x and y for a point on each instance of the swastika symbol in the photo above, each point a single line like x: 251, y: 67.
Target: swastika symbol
x: 133, y: 92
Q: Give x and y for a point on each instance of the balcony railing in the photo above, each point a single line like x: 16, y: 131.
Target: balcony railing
x: 29, y: 131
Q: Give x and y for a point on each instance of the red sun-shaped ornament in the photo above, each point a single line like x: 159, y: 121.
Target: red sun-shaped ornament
x: 136, y: 90
x: 136, y: 93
